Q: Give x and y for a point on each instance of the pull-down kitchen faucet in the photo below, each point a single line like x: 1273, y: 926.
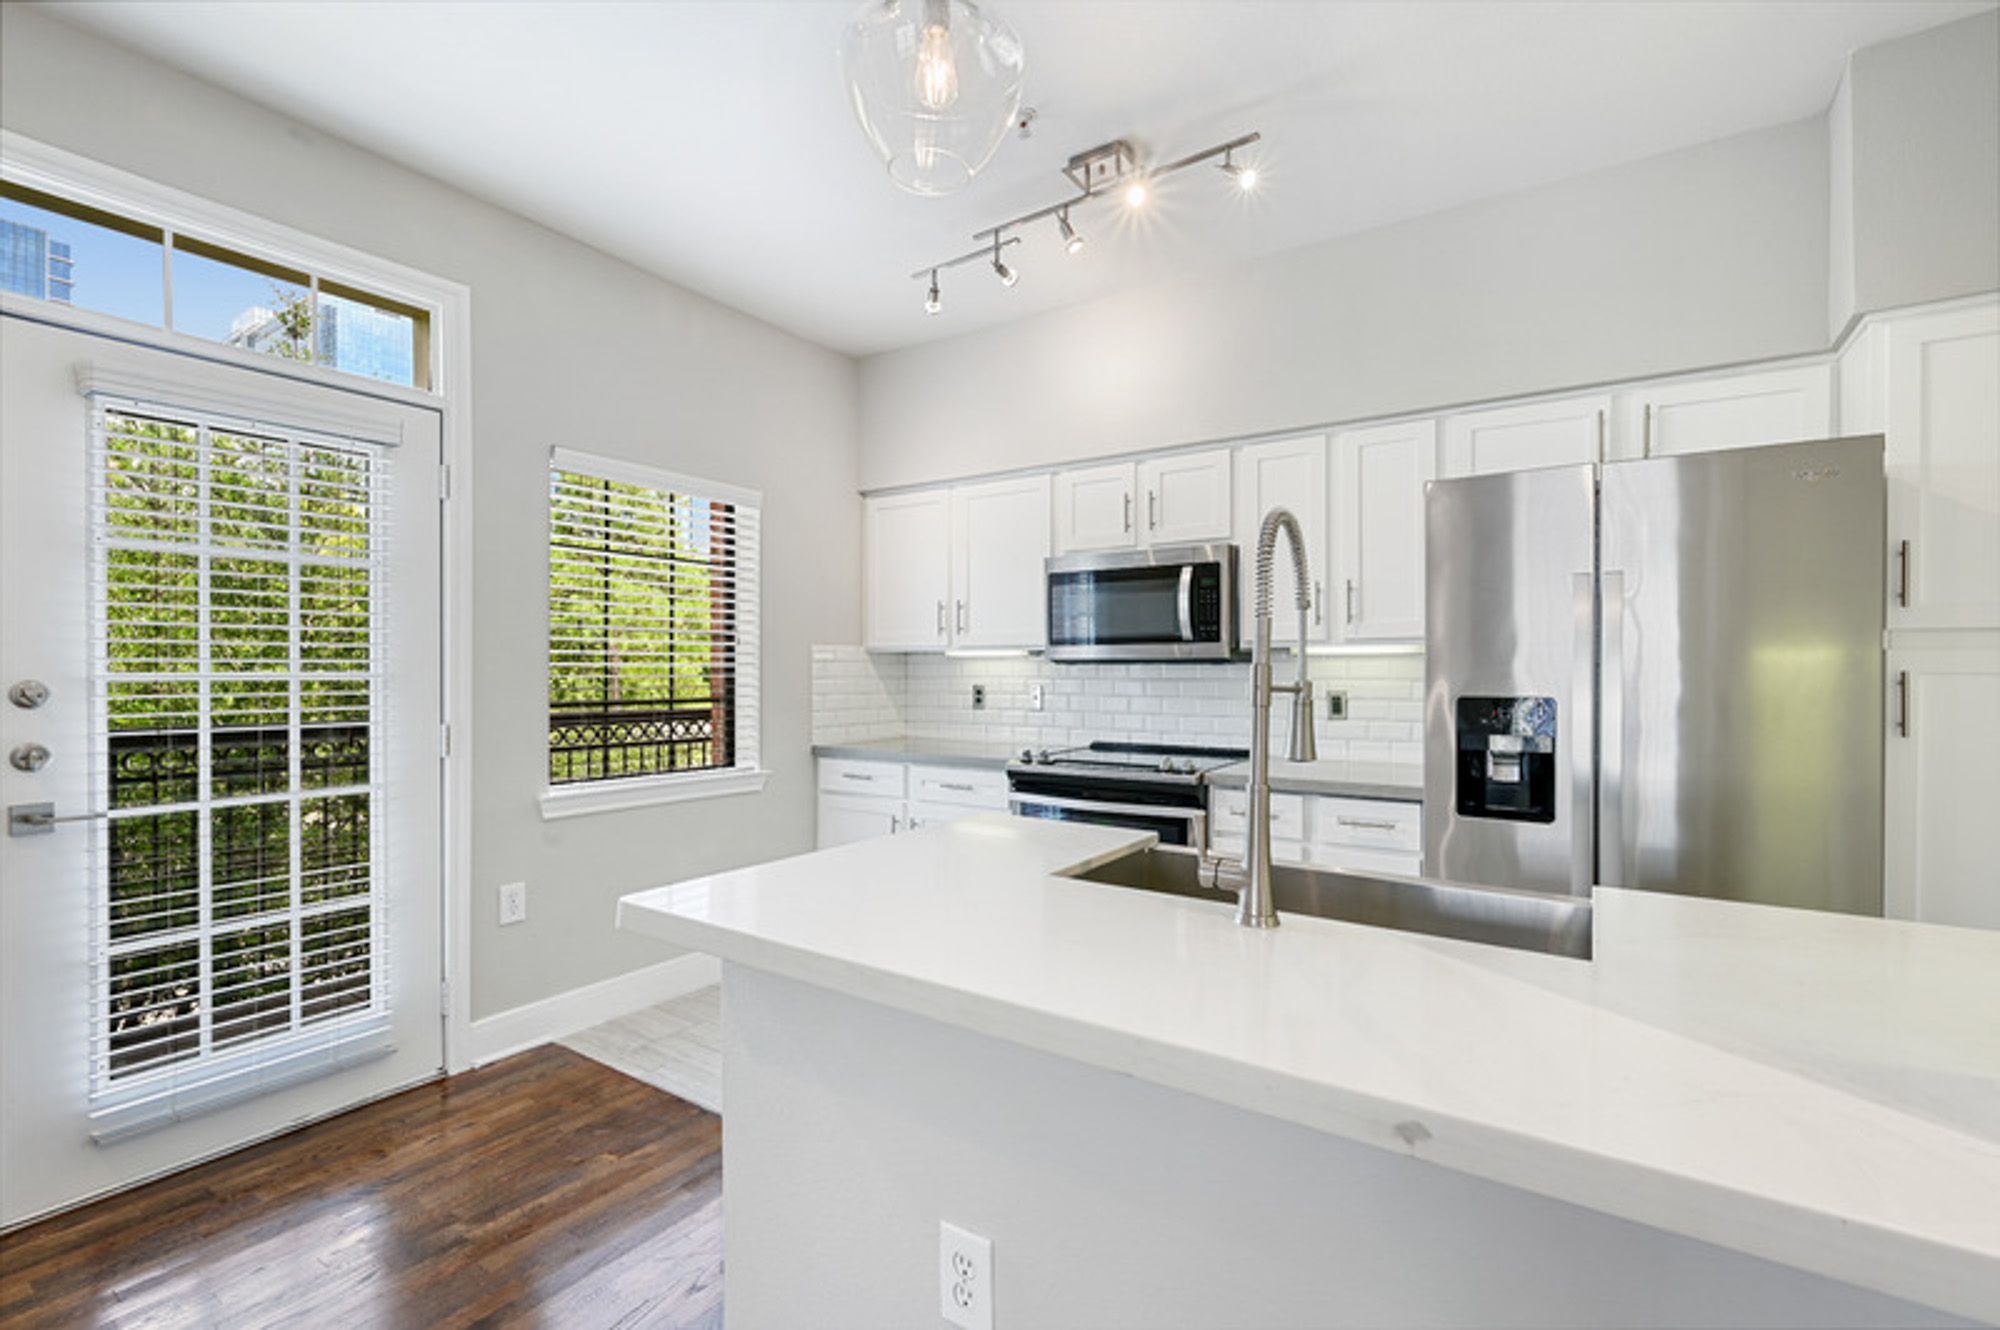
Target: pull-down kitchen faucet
x: 1251, y: 879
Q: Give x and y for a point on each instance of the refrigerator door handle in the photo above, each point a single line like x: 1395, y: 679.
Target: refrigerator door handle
x: 1611, y: 734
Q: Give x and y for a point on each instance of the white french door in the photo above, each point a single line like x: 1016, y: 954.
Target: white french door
x: 220, y: 887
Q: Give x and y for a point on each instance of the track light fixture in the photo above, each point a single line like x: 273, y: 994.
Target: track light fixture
x: 1095, y: 173
x: 1072, y: 242
x: 1006, y: 274
x: 1244, y: 175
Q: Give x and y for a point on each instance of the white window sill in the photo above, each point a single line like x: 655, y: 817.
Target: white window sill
x: 607, y: 796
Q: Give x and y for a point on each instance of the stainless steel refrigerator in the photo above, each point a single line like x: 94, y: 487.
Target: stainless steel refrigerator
x: 1663, y: 674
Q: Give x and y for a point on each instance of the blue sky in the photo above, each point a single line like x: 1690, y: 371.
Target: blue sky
x: 120, y: 274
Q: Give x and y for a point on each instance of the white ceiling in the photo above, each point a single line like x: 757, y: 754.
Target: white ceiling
x: 708, y: 141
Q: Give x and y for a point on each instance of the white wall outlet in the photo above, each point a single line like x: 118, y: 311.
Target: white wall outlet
x: 965, y: 1278
x: 1037, y: 696
x: 979, y: 697
x: 513, y: 902
x: 1336, y: 705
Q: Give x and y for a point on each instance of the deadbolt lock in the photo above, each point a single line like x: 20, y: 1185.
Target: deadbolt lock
x: 28, y: 694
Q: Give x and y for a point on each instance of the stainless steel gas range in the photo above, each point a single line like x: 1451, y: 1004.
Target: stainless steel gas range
x: 1162, y: 788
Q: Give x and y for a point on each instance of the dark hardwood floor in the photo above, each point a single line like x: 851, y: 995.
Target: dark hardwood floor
x: 545, y: 1190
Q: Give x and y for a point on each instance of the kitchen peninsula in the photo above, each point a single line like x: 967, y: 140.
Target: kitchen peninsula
x: 1733, y: 1115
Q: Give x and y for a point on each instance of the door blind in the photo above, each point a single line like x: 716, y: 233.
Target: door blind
x: 239, y: 652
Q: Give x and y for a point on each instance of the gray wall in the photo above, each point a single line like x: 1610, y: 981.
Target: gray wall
x: 1924, y: 138
x: 1706, y: 256
x: 569, y: 347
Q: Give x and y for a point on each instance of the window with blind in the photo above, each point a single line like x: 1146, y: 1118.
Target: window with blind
x: 238, y: 578
x: 653, y: 632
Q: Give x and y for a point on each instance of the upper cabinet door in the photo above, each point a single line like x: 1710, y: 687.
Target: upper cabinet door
x: 1290, y: 473
x: 1740, y: 410
x: 999, y: 537
x: 1521, y: 438
x: 1380, y: 474
x: 906, y: 554
x: 1094, y: 508
x: 1186, y: 497
x: 1941, y: 378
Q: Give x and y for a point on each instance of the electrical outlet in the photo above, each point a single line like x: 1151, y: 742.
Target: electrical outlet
x: 965, y: 1278
x: 979, y: 697
x: 513, y: 902
x: 1336, y: 706
x: 1037, y: 696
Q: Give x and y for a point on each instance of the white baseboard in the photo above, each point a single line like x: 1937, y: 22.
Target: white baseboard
x: 543, y: 1022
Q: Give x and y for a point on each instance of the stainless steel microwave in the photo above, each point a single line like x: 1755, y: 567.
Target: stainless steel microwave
x: 1174, y: 602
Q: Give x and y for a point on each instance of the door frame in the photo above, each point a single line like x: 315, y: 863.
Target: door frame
x: 38, y: 165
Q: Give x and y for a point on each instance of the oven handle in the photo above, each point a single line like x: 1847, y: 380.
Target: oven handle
x: 1196, y: 818
x: 1187, y: 602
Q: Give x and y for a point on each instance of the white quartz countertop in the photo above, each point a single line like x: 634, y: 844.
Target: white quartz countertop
x: 1353, y: 780
x: 1815, y: 1089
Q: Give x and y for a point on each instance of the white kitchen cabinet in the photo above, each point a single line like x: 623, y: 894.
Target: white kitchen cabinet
x: 1289, y: 473
x: 1941, y: 784
x: 861, y: 799
x: 1785, y: 405
x: 957, y: 567
x: 1176, y: 499
x: 906, y: 558
x: 1562, y: 432
x: 1229, y: 825
x: 1367, y: 835
x: 1930, y: 382
x: 999, y: 538
x: 1379, y: 479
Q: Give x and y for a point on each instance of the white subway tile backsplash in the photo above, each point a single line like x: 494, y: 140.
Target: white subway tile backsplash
x: 859, y: 697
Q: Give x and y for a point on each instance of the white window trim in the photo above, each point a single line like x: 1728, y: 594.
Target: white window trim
x: 579, y: 798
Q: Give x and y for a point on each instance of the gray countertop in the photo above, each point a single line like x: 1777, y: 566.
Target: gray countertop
x: 989, y: 753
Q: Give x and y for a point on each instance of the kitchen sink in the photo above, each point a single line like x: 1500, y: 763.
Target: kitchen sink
x: 1524, y: 920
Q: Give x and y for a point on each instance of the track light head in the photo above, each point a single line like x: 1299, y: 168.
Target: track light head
x: 1245, y: 175
x: 1072, y: 242
x: 933, y: 302
x: 1135, y: 194
x: 1006, y: 274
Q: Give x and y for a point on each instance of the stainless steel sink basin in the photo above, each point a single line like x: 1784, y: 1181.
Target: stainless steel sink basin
x: 1527, y: 921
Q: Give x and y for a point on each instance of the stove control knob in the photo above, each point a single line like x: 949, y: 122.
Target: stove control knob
x: 1043, y: 757
x: 1028, y: 755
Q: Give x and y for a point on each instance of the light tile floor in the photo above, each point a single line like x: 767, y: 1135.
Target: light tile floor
x: 676, y: 1046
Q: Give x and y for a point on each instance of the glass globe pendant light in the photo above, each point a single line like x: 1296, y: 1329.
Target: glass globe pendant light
x: 936, y: 85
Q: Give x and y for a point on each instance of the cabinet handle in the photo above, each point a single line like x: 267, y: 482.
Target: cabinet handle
x: 940, y: 619
x: 1366, y: 824
x: 1903, y: 703
x: 856, y: 775
x: 895, y: 823
x: 1903, y: 573
x: 1319, y: 605
x: 1350, y: 600
x: 1128, y: 510
x: 1646, y: 448
x: 1600, y: 437
x: 958, y: 615
x: 955, y: 785
x: 1152, y: 510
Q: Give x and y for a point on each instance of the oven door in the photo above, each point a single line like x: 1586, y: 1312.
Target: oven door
x: 1174, y: 826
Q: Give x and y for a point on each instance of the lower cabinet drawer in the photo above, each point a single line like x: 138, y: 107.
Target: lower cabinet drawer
x: 973, y: 787
x: 1229, y: 815
x: 1366, y: 824
x: 1349, y: 860
x: 843, y: 775
x: 1282, y: 851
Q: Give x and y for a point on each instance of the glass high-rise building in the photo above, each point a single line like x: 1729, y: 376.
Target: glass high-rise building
x: 34, y: 265
x: 347, y: 335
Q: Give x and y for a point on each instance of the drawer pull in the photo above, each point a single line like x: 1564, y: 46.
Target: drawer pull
x: 1367, y: 824
x: 859, y: 775
x: 960, y: 786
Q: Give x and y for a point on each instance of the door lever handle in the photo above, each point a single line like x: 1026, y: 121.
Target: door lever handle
x: 41, y: 819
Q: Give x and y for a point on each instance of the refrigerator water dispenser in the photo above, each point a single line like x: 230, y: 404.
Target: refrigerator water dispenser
x: 1507, y: 758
